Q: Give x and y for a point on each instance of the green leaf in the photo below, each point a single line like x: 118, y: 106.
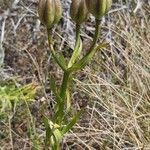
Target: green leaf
x: 76, y: 53
x: 10, y: 94
x: 59, y: 58
x: 72, y: 122
x: 53, y: 134
x: 48, y: 131
x: 86, y: 59
x: 58, y: 135
x: 62, y: 60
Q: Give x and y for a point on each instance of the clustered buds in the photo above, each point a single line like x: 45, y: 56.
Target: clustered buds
x: 98, y: 8
x: 50, y: 12
x: 78, y: 11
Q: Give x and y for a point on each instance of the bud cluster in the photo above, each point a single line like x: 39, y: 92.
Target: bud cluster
x: 50, y: 11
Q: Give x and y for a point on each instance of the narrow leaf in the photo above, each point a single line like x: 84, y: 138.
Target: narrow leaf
x: 62, y: 60
x: 58, y: 59
x: 72, y: 122
x: 85, y: 60
x: 76, y: 53
x: 48, y: 131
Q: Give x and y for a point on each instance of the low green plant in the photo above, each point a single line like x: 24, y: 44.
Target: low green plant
x: 50, y: 12
x: 10, y: 95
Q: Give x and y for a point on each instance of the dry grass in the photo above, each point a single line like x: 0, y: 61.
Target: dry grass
x: 114, y: 88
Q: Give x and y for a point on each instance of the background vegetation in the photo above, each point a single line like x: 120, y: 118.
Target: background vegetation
x: 114, y: 88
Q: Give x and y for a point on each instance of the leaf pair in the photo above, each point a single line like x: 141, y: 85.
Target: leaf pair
x: 85, y: 60
x: 55, y: 132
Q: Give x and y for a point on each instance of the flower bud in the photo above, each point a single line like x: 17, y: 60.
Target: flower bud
x: 50, y: 12
x: 79, y: 11
x: 98, y: 8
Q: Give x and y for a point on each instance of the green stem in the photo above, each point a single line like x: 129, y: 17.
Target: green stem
x: 59, y: 115
x: 49, y: 34
x: 78, y: 26
x: 64, y: 88
x: 56, y: 146
x: 80, y: 64
x: 76, y: 51
x: 64, y: 85
x: 96, y: 35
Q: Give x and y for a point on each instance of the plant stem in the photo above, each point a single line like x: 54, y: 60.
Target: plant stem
x: 78, y: 26
x: 76, y: 51
x: 49, y: 34
x: 56, y: 146
x: 64, y: 87
x: 96, y: 35
x: 80, y: 64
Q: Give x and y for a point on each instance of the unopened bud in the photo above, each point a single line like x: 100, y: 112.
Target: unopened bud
x: 98, y: 8
x: 79, y: 11
x: 50, y: 12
